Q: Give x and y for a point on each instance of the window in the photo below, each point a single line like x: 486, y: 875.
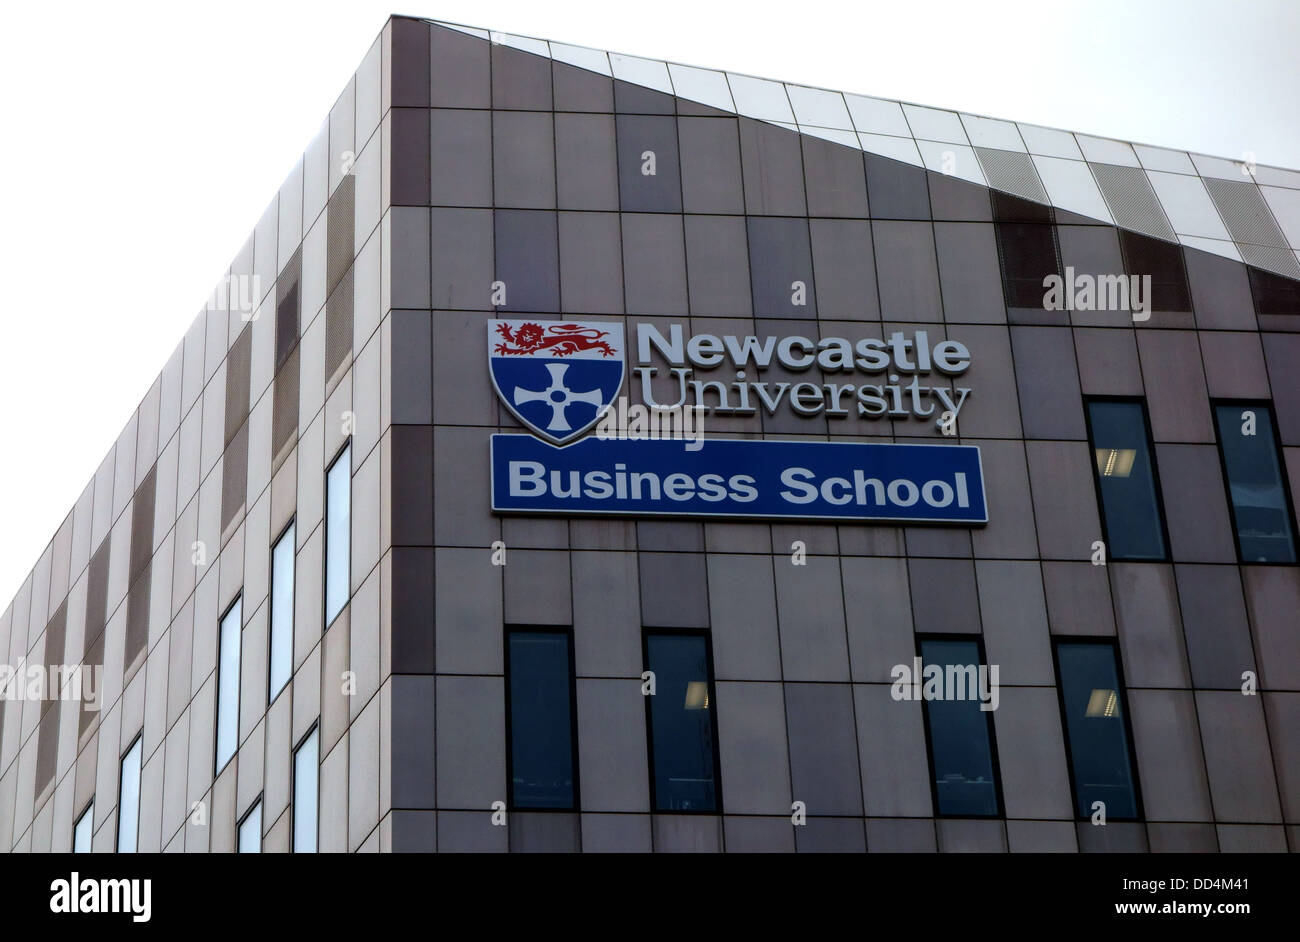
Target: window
x: 250, y: 830
x: 228, y: 685
x: 1274, y: 294
x: 128, y: 800
x: 1026, y: 247
x: 682, y: 726
x: 543, y: 724
x: 306, y: 786
x: 81, y: 831
x: 281, y: 655
x: 1257, y: 491
x: 338, y: 533
x: 963, y: 766
x: 1163, y: 261
x: 1127, y: 488
x: 1096, y: 729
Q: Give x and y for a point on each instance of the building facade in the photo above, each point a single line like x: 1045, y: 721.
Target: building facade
x: 974, y: 395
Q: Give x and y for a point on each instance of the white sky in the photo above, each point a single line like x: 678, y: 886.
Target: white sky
x: 142, y: 141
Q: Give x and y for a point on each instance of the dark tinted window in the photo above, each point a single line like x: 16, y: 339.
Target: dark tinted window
x: 961, y: 735
x: 1257, y: 492
x: 1010, y: 208
x: 1274, y: 294
x: 1126, y: 480
x: 1096, y: 729
x: 682, y: 728
x: 1163, y: 261
x: 542, y: 753
x: 1028, y: 253
x: 1026, y: 248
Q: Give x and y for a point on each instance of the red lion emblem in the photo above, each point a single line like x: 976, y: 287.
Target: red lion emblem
x: 558, y: 339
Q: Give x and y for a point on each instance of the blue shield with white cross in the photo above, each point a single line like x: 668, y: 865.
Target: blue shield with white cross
x: 556, y: 376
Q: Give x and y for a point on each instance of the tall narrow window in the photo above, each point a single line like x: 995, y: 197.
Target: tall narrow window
x: 82, y: 830
x: 306, y: 787
x: 228, y: 685
x: 1096, y: 729
x: 128, y: 800
x: 543, y: 757
x: 683, y: 729
x: 962, y: 762
x: 1163, y: 262
x: 281, y: 655
x: 1125, y: 471
x: 1027, y: 248
x: 250, y: 830
x: 1257, y: 491
x: 338, y: 533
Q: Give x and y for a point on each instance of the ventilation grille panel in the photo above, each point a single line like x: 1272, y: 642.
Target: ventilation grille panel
x: 338, y: 325
x: 1132, y: 200
x: 1244, y: 212
x: 284, y: 411
x: 234, y: 479
x: 239, y: 364
x: 1013, y: 172
x: 47, y: 746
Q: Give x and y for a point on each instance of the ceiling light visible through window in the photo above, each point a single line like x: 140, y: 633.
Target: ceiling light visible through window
x: 697, y: 695
x: 1116, y: 462
x: 1102, y: 703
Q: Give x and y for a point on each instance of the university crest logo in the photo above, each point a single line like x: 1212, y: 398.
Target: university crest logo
x: 556, y: 376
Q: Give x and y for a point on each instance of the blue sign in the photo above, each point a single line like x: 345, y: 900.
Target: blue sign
x: 893, y: 483
x: 556, y: 377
